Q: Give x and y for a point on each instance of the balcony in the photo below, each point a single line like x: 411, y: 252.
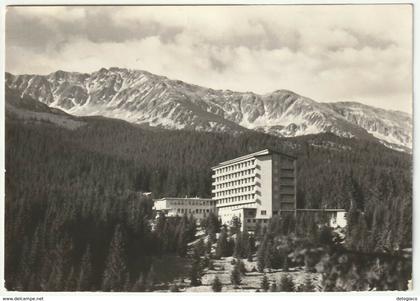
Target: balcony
x: 252, y: 183
x: 252, y: 201
x: 236, y: 170
x: 235, y: 179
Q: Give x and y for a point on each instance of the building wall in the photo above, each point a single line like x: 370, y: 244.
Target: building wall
x: 199, y: 208
x: 234, y: 187
x: 266, y: 181
x: 264, y: 186
x: 338, y: 219
x: 286, y: 183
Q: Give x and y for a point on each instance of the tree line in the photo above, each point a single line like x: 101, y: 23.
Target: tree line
x: 74, y: 204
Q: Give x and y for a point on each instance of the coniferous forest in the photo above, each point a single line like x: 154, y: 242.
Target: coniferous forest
x: 76, y: 218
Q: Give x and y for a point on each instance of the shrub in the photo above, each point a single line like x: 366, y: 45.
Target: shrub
x: 265, y: 284
x: 216, y: 285
x: 286, y: 284
x: 235, y: 276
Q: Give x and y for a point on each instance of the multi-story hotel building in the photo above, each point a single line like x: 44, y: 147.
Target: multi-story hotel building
x: 198, y: 207
x: 255, y: 187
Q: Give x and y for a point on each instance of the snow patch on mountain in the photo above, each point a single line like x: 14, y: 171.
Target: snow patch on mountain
x: 144, y: 98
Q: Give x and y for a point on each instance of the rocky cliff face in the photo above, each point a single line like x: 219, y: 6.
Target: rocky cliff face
x: 144, y: 98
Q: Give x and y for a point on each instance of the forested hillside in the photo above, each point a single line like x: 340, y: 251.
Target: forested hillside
x: 71, y: 201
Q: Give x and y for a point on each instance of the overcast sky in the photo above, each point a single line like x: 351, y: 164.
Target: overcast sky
x: 328, y: 53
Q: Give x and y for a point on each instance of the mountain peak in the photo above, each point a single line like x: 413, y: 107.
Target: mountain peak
x: 144, y: 98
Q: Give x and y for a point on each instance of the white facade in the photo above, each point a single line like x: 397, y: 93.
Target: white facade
x: 338, y: 219
x: 258, y: 185
x: 198, y: 207
x: 334, y: 218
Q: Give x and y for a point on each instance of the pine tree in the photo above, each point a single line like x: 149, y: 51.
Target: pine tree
x: 326, y: 236
x: 85, y: 280
x: 249, y: 257
x: 116, y: 271
x: 251, y: 247
x: 273, y: 287
x: 195, y: 273
x: 196, y: 268
x: 286, y: 284
x: 265, y: 284
x: 151, y: 279
x: 71, y: 281
x: 182, y: 242
x: 237, y: 250
x: 235, y: 276
x: 286, y: 264
x: 268, y: 256
x: 209, y: 245
x: 230, y: 247
x: 140, y: 284
x: 191, y: 223
x: 210, y: 265
x: 245, y: 244
x: 241, y: 267
x: 216, y: 285
x: 308, y: 286
x: 222, y: 245
x: 61, y: 259
x: 261, y: 257
x: 200, y: 247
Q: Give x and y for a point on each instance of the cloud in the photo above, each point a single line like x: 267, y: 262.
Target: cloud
x: 329, y: 53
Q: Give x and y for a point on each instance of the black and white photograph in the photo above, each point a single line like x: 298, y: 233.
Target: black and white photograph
x: 208, y: 148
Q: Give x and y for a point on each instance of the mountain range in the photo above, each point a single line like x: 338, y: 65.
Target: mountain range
x: 147, y: 99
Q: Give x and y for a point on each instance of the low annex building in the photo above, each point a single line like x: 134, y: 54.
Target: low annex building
x: 333, y: 218
x: 198, y: 207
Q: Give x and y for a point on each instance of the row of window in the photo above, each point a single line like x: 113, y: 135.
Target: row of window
x: 285, y: 181
x: 235, y: 167
x: 236, y: 175
x: 253, y: 220
x: 236, y: 183
x: 247, y: 197
x: 189, y: 210
x: 235, y: 191
x: 191, y: 203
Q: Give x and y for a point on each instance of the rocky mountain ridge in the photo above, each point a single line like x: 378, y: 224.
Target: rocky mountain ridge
x: 145, y: 98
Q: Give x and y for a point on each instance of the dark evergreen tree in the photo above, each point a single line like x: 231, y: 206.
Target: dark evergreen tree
x: 286, y: 284
x: 222, y: 248
x: 151, y: 278
x: 286, y: 264
x: 235, y: 275
x: 268, y: 256
x: 71, y: 281
x: 216, y: 285
x: 79, y: 184
x: 261, y: 257
x: 308, y: 286
x: 200, y: 247
x: 116, y: 271
x: 273, y: 287
x: 195, y: 273
x: 85, y: 280
x: 265, y: 284
x: 140, y: 284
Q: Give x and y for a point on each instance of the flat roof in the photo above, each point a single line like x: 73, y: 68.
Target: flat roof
x: 176, y: 198
x: 322, y: 210
x: 263, y: 152
x: 246, y: 208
